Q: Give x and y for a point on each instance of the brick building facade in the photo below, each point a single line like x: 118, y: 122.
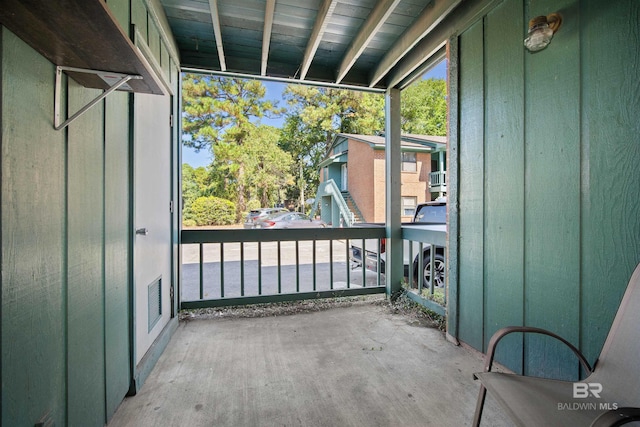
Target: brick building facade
x: 356, y: 163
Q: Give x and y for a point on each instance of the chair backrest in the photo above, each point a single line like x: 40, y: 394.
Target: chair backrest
x: 618, y: 367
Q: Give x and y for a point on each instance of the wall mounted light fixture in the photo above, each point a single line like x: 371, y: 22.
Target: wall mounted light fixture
x: 541, y: 31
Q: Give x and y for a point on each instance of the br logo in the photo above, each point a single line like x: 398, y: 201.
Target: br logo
x: 584, y: 390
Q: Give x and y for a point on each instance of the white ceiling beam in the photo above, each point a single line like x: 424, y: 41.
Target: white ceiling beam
x: 429, y: 48
x: 430, y: 17
x: 324, y: 14
x: 372, y: 25
x: 215, y: 18
x: 266, y: 34
x: 430, y: 52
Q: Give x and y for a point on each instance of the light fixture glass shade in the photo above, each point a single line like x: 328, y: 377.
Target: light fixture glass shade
x: 539, y: 37
x: 541, y: 31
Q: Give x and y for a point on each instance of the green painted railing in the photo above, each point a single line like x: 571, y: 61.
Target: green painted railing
x: 235, y: 266
x: 417, y: 240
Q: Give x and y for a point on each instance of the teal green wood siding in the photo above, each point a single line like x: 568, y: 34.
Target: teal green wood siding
x: 140, y: 18
x: 504, y: 176
x: 66, y: 240
x: 85, y: 273
x: 471, y: 187
x: 116, y: 244
x: 552, y: 180
x: 610, y: 147
x: 33, y: 260
x: 549, y: 213
x: 116, y: 237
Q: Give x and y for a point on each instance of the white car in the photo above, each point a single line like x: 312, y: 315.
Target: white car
x: 256, y: 215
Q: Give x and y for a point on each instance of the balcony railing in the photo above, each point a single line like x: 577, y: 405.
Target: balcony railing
x: 438, y: 179
x: 420, y: 241
x: 236, y: 266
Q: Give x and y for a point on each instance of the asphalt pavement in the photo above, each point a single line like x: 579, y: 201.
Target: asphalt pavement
x: 246, y: 271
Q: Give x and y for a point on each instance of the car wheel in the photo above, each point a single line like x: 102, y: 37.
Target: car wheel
x: 438, y: 265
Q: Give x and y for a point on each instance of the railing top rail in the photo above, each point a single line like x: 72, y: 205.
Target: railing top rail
x: 437, y: 235
x: 300, y: 234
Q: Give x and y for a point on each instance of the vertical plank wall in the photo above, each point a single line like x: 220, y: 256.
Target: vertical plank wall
x: 504, y: 176
x: 552, y: 194
x: 117, y: 236
x: 610, y: 147
x: 85, y: 272
x: 33, y: 221
x: 65, y: 249
x: 549, y: 178
x: 471, y: 188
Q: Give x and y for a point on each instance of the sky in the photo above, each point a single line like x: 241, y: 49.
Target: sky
x: 274, y: 93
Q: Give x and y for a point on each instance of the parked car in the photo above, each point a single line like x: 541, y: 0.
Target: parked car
x: 289, y: 220
x: 428, y: 216
x: 259, y: 214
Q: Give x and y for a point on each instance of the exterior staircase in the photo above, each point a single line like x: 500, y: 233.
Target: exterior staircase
x: 351, y: 204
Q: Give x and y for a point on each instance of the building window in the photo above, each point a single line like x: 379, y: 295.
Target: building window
x: 409, y: 206
x: 409, y: 163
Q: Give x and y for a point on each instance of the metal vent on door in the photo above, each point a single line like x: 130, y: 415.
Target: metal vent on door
x: 155, y: 302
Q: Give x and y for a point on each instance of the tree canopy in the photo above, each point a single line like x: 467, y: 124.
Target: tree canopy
x: 223, y: 115
x: 256, y: 165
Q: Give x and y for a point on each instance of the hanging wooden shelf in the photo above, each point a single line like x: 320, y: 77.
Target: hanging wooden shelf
x: 81, y: 34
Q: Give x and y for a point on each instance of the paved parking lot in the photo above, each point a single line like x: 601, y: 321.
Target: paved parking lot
x: 273, y: 277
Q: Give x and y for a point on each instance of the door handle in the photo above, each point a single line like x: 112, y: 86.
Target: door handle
x: 142, y: 231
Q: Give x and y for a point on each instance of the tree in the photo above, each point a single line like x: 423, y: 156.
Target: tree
x: 255, y: 169
x: 219, y: 114
x: 307, y: 146
x: 337, y: 110
x: 212, y: 106
x: 424, y: 108
x: 190, y: 190
x: 316, y: 115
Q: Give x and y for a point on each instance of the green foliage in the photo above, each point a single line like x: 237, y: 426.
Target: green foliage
x: 213, y: 106
x: 223, y: 114
x: 210, y: 211
x: 195, y: 183
x: 255, y: 165
x: 316, y: 116
x: 336, y: 110
x: 259, y: 166
x: 424, y: 108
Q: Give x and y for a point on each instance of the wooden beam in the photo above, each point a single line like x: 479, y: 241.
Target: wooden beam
x: 406, y: 71
x: 215, y: 19
x: 266, y: 34
x: 324, y: 14
x: 460, y: 18
x: 430, y: 17
x: 376, y: 19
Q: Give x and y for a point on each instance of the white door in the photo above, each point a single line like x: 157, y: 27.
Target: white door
x: 152, y: 218
x: 343, y: 183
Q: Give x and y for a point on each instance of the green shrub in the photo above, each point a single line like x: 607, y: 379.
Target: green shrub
x: 189, y: 223
x: 211, y: 211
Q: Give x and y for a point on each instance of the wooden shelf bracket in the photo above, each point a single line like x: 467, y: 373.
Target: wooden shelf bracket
x: 115, y: 81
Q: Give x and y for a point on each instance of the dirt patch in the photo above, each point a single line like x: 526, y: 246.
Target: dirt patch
x: 413, y: 313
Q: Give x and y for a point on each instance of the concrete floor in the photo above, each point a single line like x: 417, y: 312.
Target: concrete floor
x: 350, y: 366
